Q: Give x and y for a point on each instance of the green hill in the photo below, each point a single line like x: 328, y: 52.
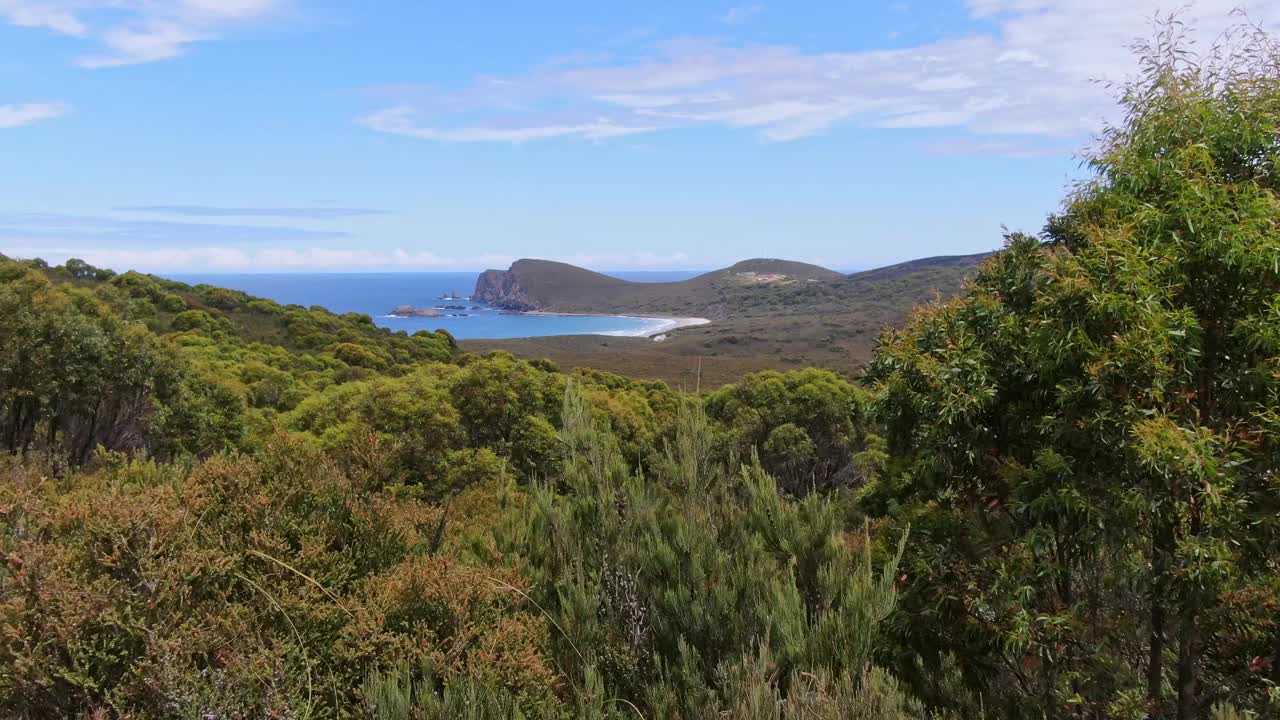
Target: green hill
x: 792, y: 269
x: 912, y: 267
x: 812, y: 317
x: 559, y: 287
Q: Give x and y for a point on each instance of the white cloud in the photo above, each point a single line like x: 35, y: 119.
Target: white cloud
x: 12, y: 116
x: 239, y: 259
x: 943, y: 83
x: 132, y: 32
x: 399, y: 121
x: 620, y: 261
x: 215, y: 211
x: 741, y: 14
x: 229, y: 9
x: 1018, y: 149
x: 155, y: 40
x: 93, y: 231
x: 37, y: 14
x: 1028, y: 68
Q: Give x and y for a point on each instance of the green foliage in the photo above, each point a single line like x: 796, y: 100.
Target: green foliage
x: 194, y: 320
x: 870, y: 694
x: 246, y: 588
x: 78, y: 269
x: 213, y: 505
x: 401, y: 694
x: 1083, y: 438
x: 359, y: 356
x: 807, y: 424
x: 133, y: 362
x: 659, y: 581
x: 81, y: 376
x: 495, y: 394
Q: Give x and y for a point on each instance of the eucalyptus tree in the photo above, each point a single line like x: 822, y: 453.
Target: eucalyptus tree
x: 1087, y: 439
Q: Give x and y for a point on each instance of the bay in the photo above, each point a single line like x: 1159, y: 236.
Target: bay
x: 376, y: 294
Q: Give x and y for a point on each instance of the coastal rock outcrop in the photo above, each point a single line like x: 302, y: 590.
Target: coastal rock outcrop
x: 410, y: 311
x: 502, y: 289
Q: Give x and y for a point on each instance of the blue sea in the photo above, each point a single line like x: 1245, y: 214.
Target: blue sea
x: 376, y: 294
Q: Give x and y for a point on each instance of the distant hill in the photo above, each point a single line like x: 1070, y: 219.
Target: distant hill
x: 559, y: 287
x: 810, y: 317
x: 939, y: 262
x: 790, y: 268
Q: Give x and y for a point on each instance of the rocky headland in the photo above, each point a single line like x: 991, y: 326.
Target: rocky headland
x: 502, y: 289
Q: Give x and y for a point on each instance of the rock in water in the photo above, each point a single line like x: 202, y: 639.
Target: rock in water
x: 411, y: 311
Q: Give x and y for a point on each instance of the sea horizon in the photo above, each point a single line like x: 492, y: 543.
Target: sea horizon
x: 625, y: 274
x: 376, y: 294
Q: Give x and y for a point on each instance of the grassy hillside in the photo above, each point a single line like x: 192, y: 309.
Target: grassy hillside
x: 826, y: 320
x: 559, y: 287
x: 938, y: 263
x: 794, y: 270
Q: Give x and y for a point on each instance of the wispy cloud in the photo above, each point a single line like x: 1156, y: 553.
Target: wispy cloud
x: 92, y: 232
x: 1027, y: 69
x: 622, y: 261
x: 741, y: 14
x: 233, y: 259
x: 239, y: 259
x: 1022, y: 149
x: 12, y: 116
x: 60, y: 18
x: 400, y: 121
x: 131, y: 32
x: 291, y: 213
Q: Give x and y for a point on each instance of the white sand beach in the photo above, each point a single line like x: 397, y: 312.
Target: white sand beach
x: 654, y: 325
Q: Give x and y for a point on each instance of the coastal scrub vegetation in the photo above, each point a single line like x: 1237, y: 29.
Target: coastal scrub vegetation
x: 1055, y: 496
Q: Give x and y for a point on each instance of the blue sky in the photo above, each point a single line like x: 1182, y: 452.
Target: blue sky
x: 265, y: 135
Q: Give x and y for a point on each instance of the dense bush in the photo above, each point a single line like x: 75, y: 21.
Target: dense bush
x: 1086, y: 440
x: 1057, y: 496
x: 672, y: 587
x: 244, y: 587
x: 807, y: 424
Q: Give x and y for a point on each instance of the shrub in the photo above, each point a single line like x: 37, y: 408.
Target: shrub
x: 194, y: 320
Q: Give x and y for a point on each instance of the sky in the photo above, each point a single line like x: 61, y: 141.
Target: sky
x: 290, y: 135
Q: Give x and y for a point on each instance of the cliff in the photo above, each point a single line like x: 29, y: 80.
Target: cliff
x: 502, y: 289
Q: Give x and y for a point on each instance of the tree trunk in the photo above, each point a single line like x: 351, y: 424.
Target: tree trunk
x: 1189, y: 637
x: 28, y: 429
x: 15, y: 428
x: 80, y: 455
x: 1160, y: 541
x: 1188, y: 654
x: 1155, y: 661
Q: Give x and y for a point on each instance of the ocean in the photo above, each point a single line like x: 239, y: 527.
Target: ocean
x: 376, y: 294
